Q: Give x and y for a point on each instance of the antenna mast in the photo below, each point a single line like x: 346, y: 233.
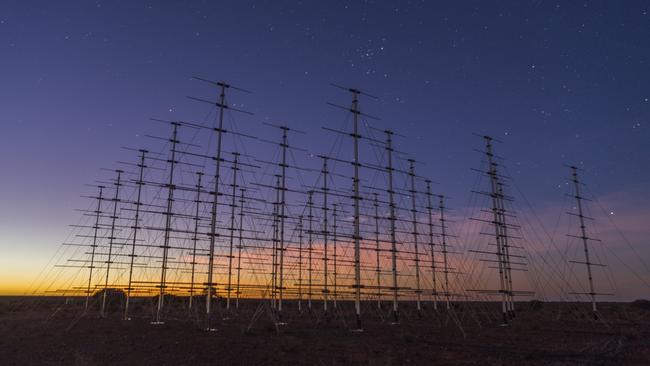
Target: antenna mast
x: 443, y: 225
x: 392, y: 218
x: 357, y: 234
x: 354, y: 109
x: 325, y: 232
x: 111, y: 238
x: 300, y: 238
x: 168, y: 222
x: 334, y: 255
x: 434, y: 293
x: 506, y: 251
x: 195, y: 237
x: 413, y: 192
x: 232, y: 226
x: 240, y: 246
x: 498, y: 226
x: 377, y: 248
x: 213, y: 218
x: 584, y: 238
x: 136, y: 226
x: 310, y: 217
x: 274, y: 273
x: 94, y: 246
x: 283, y: 189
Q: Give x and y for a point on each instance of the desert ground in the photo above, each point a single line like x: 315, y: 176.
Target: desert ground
x: 57, y: 331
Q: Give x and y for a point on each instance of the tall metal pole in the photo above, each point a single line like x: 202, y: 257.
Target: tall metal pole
x: 310, y: 205
x: 393, y: 239
x: 413, y: 192
x: 334, y: 255
x: 168, y: 223
x: 111, y: 238
x: 240, y: 245
x: 94, y: 246
x: 492, y: 173
x: 357, y: 233
x: 434, y: 293
x: 300, y: 263
x: 213, y: 219
x: 136, y: 226
x: 377, y: 248
x: 283, y: 168
x: 506, y: 250
x: 233, y: 204
x: 274, y: 273
x: 325, y: 234
x: 195, y: 237
x: 443, y: 225
x: 583, y: 232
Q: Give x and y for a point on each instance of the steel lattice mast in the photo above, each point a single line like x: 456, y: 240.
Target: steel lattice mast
x: 356, y: 136
x: 310, y: 217
x: 434, y: 291
x: 334, y: 255
x: 443, y: 237
x: 242, y: 200
x: 97, y: 212
x: 413, y: 192
x: 502, y: 263
x: 233, y: 205
x: 583, y: 236
x: 392, y: 218
x: 498, y: 222
x: 136, y: 226
x: 111, y: 238
x: 377, y: 248
x: 221, y: 104
x: 300, y: 238
x: 168, y: 223
x: 506, y: 250
x: 195, y: 236
x: 274, y: 273
x: 357, y: 198
x: 325, y: 232
x: 283, y: 189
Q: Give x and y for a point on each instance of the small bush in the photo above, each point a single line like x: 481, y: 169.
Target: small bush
x: 536, y: 305
x: 408, y: 338
x: 641, y: 304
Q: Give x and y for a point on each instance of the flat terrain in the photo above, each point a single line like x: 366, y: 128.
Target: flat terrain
x: 49, y: 331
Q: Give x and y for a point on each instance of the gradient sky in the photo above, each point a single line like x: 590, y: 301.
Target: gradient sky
x: 558, y: 82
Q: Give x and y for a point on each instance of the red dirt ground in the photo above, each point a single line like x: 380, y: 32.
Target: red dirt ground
x: 40, y: 331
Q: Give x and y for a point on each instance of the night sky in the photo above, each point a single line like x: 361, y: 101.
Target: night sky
x: 558, y: 82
